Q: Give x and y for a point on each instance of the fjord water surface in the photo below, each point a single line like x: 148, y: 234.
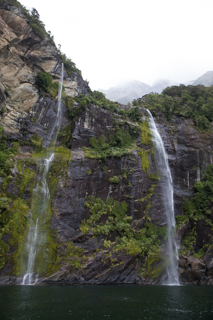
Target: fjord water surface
x: 126, y: 302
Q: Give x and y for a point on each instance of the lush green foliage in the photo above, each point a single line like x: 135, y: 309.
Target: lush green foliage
x: 201, y: 203
x: 119, y: 140
x: 114, y: 179
x: 36, y: 142
x: 195, y: 102
x: 99, y: 99
x: 69, y: 65
x: 43, y: 81
x: 133, y: 114
x: 33, y: 17
x: 12, y: 220
x: 65, y: 136
x: 198, y: 208
x: 6, y: 154
x: 53, y: 89
x: 110, y: 216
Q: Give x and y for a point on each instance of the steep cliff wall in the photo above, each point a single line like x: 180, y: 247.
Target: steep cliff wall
x: 22, y: 55
x: 106, y: 223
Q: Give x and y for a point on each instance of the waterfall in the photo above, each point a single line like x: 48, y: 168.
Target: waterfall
x: 36, y: 236
x: 168, y: 202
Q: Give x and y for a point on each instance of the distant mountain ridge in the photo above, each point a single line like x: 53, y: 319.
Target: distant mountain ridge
x: 206, y: 79
x: 135, y: 89
x: 127, y: 92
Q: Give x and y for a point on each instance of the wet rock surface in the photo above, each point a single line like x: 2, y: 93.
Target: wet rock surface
x: 22, y: 55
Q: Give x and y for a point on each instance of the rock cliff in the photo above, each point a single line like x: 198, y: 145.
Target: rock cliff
x: 106, y: 223
x: 22, y: 55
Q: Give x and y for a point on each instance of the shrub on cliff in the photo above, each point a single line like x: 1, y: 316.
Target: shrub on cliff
x: 5, y: 164
x: 33, y: 17
x: 114, y: 180
x: 69, y: 65
x: 43, y: 81
x: 6, y: 154
x: 197, y: 211
x: 134, y: 114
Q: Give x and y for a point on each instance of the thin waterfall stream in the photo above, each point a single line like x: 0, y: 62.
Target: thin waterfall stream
x: 161, y: 159
x: 36, y: 236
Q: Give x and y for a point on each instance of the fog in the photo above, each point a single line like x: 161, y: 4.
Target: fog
x: 113, y: 41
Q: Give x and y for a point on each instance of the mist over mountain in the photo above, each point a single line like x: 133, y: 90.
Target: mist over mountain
x: 161, y: 84
x: 206, y: 79
x: 127, y: 92
x: 131, y: 90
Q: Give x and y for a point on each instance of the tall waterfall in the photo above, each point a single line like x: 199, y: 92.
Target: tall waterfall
x: 36, y: 237
x: 168, y: 202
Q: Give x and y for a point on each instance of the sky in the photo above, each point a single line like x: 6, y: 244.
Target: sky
x: 114, y: 41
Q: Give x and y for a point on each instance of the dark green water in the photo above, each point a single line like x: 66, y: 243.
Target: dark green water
x: 106, y: 302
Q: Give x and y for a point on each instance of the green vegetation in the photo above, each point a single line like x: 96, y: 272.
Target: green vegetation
x: 133, y: 114
x: 94, y: 98
x: 33, y: 17
x: 195, y: 102
x: 99, y: 99
x: 6, y: 154
x: 200, y: 205
x: 75, y: 110
x: 144, y: 154
x: 26, y: 177
x: 13, y: 219
x: 14, y: 210
x: 39, y: 29
x: 69, y: 65
x: 114, y: 180
x: 44, y: 82
x: 146, y: 137
x: 68, y: 253
x: 65, y: 136
x: 36, y: 142
x: 110, y: 217
x: 150, y: 193
x: 59, y: 168
x: 155, y: 265
x: 48, y: 259
x: 119, y: 143
x: 89, y: 172
x: 198, y: 208
x: 124, y: 173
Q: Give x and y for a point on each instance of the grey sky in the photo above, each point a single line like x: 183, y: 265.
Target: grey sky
x: 113, y: 41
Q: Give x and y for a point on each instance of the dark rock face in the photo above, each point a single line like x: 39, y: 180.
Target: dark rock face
x: 192, y: 270
x: 189, y: 153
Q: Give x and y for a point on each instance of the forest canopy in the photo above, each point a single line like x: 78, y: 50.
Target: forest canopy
x: 195, y: 102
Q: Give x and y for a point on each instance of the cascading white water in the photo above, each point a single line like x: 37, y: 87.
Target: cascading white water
x: 168, y: 202
x: 40, y: 200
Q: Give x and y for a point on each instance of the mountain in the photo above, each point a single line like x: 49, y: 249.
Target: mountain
x: 127, y: 92
x: 159, y: 85
x: 135, y: 89
x: 206, y: 79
